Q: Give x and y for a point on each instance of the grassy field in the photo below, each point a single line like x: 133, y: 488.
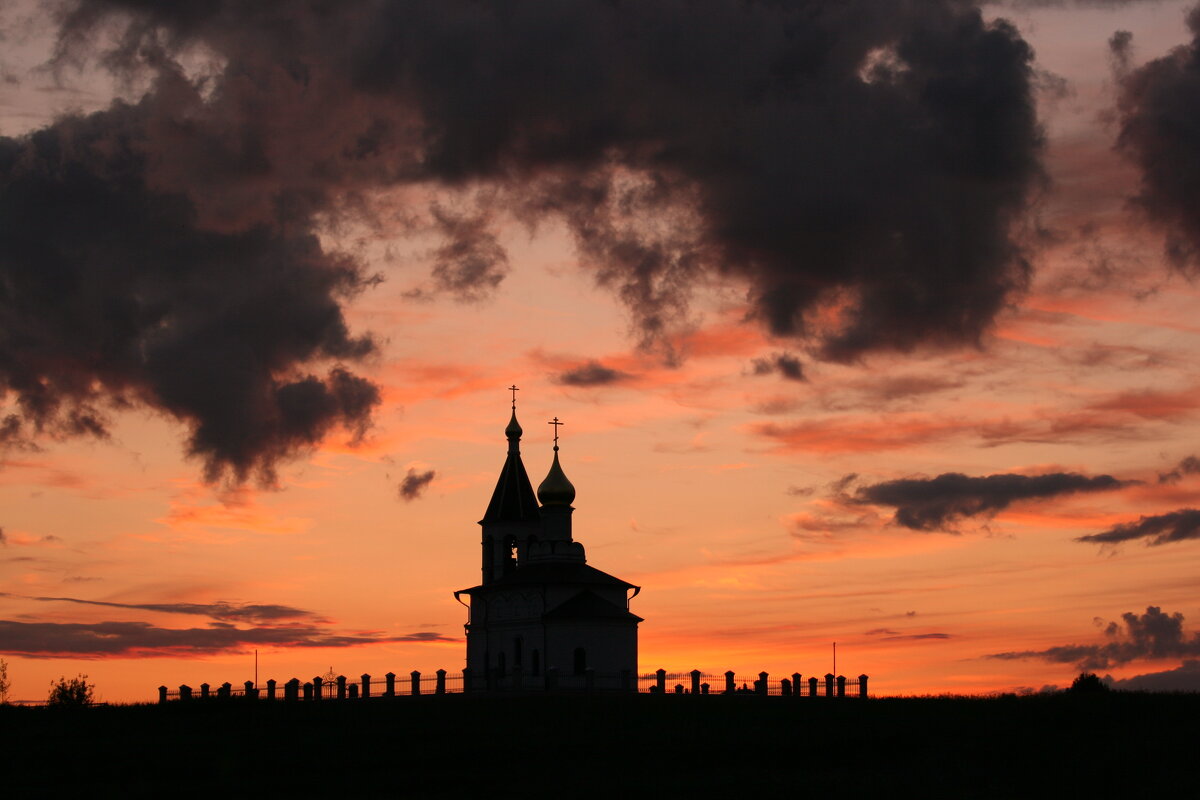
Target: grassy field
x: 1104, y: 745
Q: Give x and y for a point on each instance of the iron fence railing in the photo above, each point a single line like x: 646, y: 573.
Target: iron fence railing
x: 442, y: 682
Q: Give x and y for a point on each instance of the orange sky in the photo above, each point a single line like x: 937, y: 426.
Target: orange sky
x: 721, y: 491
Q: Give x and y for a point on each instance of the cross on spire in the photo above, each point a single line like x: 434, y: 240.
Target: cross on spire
x: 555, y: 423
x: 514, y: 391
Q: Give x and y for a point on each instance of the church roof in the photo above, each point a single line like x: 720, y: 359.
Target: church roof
x: 589, y: 605
x: 513, y: 499
x: 554, y: 572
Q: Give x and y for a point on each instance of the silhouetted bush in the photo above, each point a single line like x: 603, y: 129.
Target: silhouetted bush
x: 71, y: 693
x: 1088, y: 683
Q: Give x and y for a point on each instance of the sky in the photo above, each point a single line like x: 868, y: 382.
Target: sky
x: 869, y: 324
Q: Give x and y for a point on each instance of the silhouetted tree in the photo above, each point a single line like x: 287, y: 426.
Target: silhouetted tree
x: 1088, y: 683
x: 4, y: 683
x: 71, y: 693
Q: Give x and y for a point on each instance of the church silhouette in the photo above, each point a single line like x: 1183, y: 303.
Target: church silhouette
x: 541, y: 617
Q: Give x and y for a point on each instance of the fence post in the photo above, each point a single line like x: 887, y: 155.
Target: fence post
x: 785, y: 687
x: 390, y: 685
x: 185, y: 692
x: 162, y: 695
x: 660, y: 680
x: 308, y: 691
x: 466, y: 680
x: 204, y: 691
x: 626, y: 680
x: 589, y: 679
x: 812, y: 686
x: 225, y: 691
x: 695, y: 681
x: 761, y: 684
x: 862, y: 686
x: 829, y: 684
x: 271, y: 689
x: 341, y: 687
x: 730, y: 686
x: 441, y: 681
x: 251, y: 692
x: 316, y: 688
x: 841, y: 685
x: 291, y: 689
x: 797, y: 687
x: 415, y: 680
x: 704, y: 688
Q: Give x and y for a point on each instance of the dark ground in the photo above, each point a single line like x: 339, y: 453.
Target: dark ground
x: 1105, y: 745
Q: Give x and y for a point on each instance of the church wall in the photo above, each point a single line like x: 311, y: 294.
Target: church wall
x: 611, y: 645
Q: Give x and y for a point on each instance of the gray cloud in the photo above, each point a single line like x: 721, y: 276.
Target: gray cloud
x: 785, y: 364
x: 918, y: 636
x: 143, y: 640
x: 1188, y: 466
x: 1153, y: 635
x: 592, y: 373
x: 415, y: 483
x: 253, y: 613
x: 1158, y: 110
x: 1184, y: 678
x: 471, y: 264
x: 929, y: 504
x: 1174, y: 526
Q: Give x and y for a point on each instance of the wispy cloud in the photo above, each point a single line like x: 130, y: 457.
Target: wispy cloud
x: 222, y: 611
x: 144, y: 640
x: 1174, y: 526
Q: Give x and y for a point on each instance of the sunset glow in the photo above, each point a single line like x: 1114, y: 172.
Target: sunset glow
x: 918, y: 486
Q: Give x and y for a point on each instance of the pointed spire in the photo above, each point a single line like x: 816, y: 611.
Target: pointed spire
x: 556, y: 490
x: 513, y: 499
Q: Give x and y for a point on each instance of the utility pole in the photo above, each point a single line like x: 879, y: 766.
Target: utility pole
x: 835, y: 658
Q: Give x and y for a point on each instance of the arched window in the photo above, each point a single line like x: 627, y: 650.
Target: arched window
x: 580, y: 660
x: 510, y: 553
x: 517, y: 642
x: 536, y: 658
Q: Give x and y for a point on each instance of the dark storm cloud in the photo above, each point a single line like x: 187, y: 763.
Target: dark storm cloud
x: 929, y: 504
x: 1174, y: 526
x: 1188, y: 466
x: 114, y: 295
x: 415, y: 483
x: 1153, y: 635
x: 253, y: 613
x: 864, y: 155
x: 591, y: 373
x: 141, y: 639
x: 785, y: 364
x: 1159, y: 112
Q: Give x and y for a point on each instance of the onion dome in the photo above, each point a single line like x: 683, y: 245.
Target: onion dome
x: 556, y: 490
x: 513, y: 431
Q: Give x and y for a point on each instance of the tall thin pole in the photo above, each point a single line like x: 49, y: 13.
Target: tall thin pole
x: 256, y: 668
x: 834, y: 658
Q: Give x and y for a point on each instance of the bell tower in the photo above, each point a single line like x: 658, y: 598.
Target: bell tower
x: 512, y: 518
